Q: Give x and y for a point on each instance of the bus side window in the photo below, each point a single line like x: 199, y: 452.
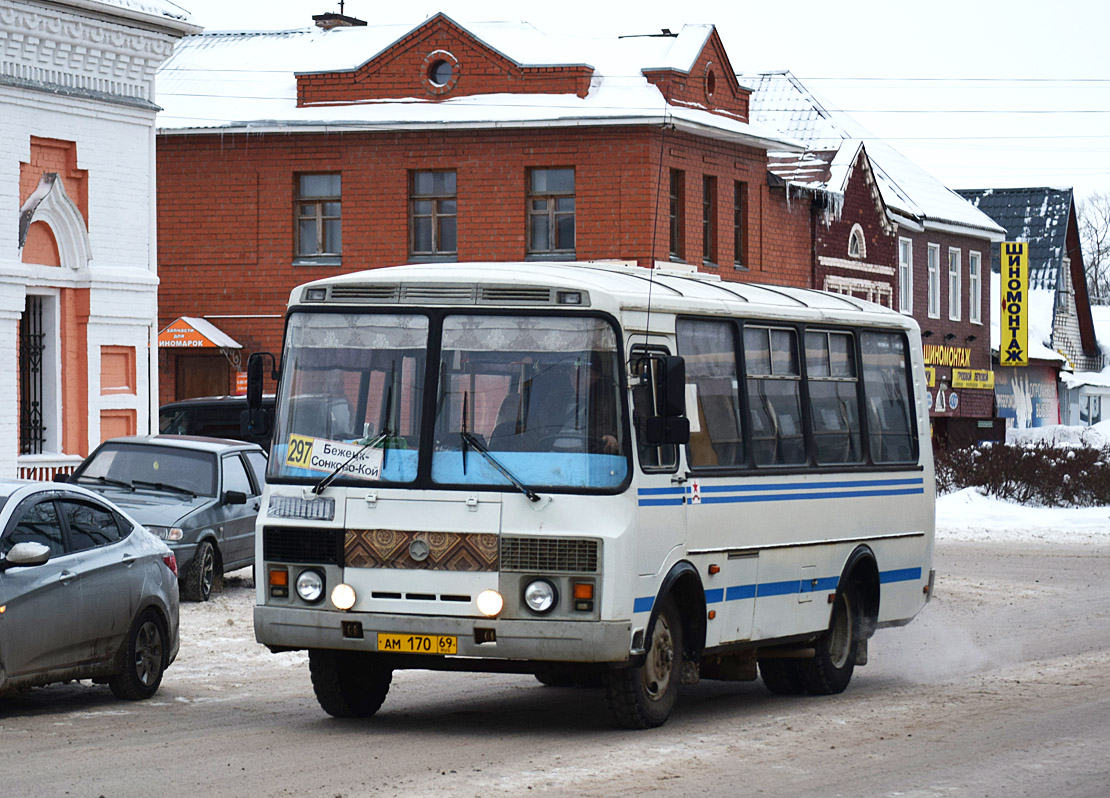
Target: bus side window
x: 648, y: 401
x: 889, y: 410
x: 709, y: 349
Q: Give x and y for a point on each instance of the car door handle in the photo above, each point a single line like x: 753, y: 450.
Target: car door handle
x: 65, y: 577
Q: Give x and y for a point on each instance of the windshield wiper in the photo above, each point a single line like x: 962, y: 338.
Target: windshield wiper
x: 469, y: 441
x: 318, y: 488
x: 366, y: 443
x: 161, y: 486
x: 118, y: 483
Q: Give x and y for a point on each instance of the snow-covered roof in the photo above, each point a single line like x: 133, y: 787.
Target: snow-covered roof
x: 247, y: 81
x: 781, y: 101
x: 157, y: 12
x: 1038, y: 216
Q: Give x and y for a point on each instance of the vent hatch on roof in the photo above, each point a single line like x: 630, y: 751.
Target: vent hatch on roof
x: 365, y: 293
x: 513, y: 295
x: 447, y: 294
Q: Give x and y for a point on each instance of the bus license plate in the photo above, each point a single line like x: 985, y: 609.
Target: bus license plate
x: 417, y: 644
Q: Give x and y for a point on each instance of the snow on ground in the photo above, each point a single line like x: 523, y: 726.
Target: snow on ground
x: 1096, y: 436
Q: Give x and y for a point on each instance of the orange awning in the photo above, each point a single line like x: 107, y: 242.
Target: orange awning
x: 189, y: 332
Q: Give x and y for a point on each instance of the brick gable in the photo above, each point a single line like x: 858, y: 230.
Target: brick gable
x: 402, y: 71
x: 710, y: 83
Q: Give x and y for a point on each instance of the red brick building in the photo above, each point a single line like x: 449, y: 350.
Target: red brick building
x: 286, y: 157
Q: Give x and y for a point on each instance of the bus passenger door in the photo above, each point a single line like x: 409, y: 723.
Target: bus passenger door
x: 660, y: 492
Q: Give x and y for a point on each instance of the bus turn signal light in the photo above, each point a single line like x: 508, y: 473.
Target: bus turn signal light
x: 584, y: 596
x: 279, y: 582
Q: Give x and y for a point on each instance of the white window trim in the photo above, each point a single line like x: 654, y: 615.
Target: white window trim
x: 975, y: 290
x: 905, y: 277
x: 857, y: 235
x: 933, y: 261
x: 955, y: 288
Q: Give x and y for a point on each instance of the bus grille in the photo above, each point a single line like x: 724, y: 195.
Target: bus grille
x: 298, y: 544
x: 549, y: 555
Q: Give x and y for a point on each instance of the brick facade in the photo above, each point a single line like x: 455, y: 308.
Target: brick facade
x: 226, y: 210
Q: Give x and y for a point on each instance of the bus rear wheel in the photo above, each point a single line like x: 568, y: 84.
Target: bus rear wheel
x: 781, y: 676
x: 348, y: 684
x: 643, y: 696
x: 831, y: 668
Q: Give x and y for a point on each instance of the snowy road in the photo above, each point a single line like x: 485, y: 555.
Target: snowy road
x: 1001, y: 687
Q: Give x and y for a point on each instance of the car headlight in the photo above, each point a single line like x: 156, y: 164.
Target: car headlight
x: 540, y: 595
x: 167, y: 532
x: 310, y: 586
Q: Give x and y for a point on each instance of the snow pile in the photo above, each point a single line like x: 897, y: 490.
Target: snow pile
x: 1094, y: 437
x: 967, y: 515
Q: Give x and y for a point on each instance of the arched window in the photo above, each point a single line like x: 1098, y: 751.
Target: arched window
x: 857, y: 245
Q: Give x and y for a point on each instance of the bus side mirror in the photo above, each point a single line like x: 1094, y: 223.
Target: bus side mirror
x: 674, y: 386
x: 660, y: 430
x: 256, y: 374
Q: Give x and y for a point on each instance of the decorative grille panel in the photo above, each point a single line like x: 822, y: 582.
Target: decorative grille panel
x: 549, y: 555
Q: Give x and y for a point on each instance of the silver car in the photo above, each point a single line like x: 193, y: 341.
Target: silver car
x: 85, y: 592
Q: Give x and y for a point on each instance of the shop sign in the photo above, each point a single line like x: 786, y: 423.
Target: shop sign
x: 956, y: 356
x: 1014, y: 348
x: 973, y: 378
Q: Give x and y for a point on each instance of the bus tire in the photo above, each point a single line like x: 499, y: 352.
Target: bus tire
x: 831, y: 667
x: 348, y: 684
x: 781, y: 676
x: 643, y: 696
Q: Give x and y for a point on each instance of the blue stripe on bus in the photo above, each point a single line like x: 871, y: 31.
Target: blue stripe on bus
x: 789, y: 492
x: 899, y: 575
x: 786, y: 588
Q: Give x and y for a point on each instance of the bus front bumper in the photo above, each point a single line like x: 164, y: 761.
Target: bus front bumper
x: 540, y: 640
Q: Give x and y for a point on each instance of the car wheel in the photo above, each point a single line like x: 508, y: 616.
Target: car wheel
x: 145, y: 659
x: 201, y: 576
x: 781, y: 676
x: 830, y: 670
x: 348, y: 684
x: 642, y: 697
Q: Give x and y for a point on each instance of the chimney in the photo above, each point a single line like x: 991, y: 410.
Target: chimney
x: 330, y: 20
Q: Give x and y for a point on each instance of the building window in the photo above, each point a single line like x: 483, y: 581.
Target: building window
x: 677, y: 217
x: 318, y: 216
x: 905, y: 275
x: 934, y: 281
x: 433, y: 222
x: 739, y: 211
x: 709, y: 220
x: 32, y: 394
x: 955, y: 278
x: 857, y: 246
x: 974, y: 287
x: 551, y: 212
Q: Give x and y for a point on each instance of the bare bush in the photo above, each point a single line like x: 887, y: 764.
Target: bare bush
x: 1041, y: 474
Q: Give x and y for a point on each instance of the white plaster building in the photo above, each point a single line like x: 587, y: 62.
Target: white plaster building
x: 78, y: 261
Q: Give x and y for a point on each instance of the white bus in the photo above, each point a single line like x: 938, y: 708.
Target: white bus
x: 591, y: 472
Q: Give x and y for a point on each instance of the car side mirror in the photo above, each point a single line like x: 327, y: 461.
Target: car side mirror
x: 61, y: 476
x: 25, y: 554
x: 235, y: 497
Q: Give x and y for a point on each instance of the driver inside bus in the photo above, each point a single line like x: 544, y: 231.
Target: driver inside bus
x: 577, y: 405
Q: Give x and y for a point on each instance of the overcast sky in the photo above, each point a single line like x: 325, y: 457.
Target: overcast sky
x: 982, y: 93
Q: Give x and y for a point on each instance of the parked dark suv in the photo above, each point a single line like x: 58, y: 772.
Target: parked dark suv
x: 215, y: 417
x: 200, y: 495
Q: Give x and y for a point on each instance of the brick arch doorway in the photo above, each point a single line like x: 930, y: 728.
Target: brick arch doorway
x: 201, y: 375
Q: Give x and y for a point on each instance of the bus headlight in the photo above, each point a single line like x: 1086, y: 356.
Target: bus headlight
x: 343, y: 596
x: 540, y: 596
x: 310, y: 586
x: 490, y: 603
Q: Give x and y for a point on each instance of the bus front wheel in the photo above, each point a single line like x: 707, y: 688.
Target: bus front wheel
x: 348, y: 684
x: 831, y: 668
x: 643, y: 696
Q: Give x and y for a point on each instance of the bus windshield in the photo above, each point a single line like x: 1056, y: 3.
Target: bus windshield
x: 541, y: 394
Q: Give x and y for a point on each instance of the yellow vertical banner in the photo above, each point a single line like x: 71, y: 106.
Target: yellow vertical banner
x: 1015, y: 304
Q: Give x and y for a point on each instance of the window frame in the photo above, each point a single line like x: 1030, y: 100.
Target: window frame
x: 552, y: 215
x: 975, y: 287
x: 739, y: 224
x: 955, y: 283
x: 709, y: 238
x: 435, y: 217
x: 933, y: 264
x: 677, y: 214
x: 905, y: 275
x: 321, y: 256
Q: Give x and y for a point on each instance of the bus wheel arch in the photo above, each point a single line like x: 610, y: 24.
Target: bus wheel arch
x: 685, y: 586
x: 861, y: 576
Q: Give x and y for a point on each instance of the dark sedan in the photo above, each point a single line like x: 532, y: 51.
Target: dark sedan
x: 200, y: 495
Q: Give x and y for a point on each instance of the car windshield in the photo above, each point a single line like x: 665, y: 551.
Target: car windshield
x: 152, y: 467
